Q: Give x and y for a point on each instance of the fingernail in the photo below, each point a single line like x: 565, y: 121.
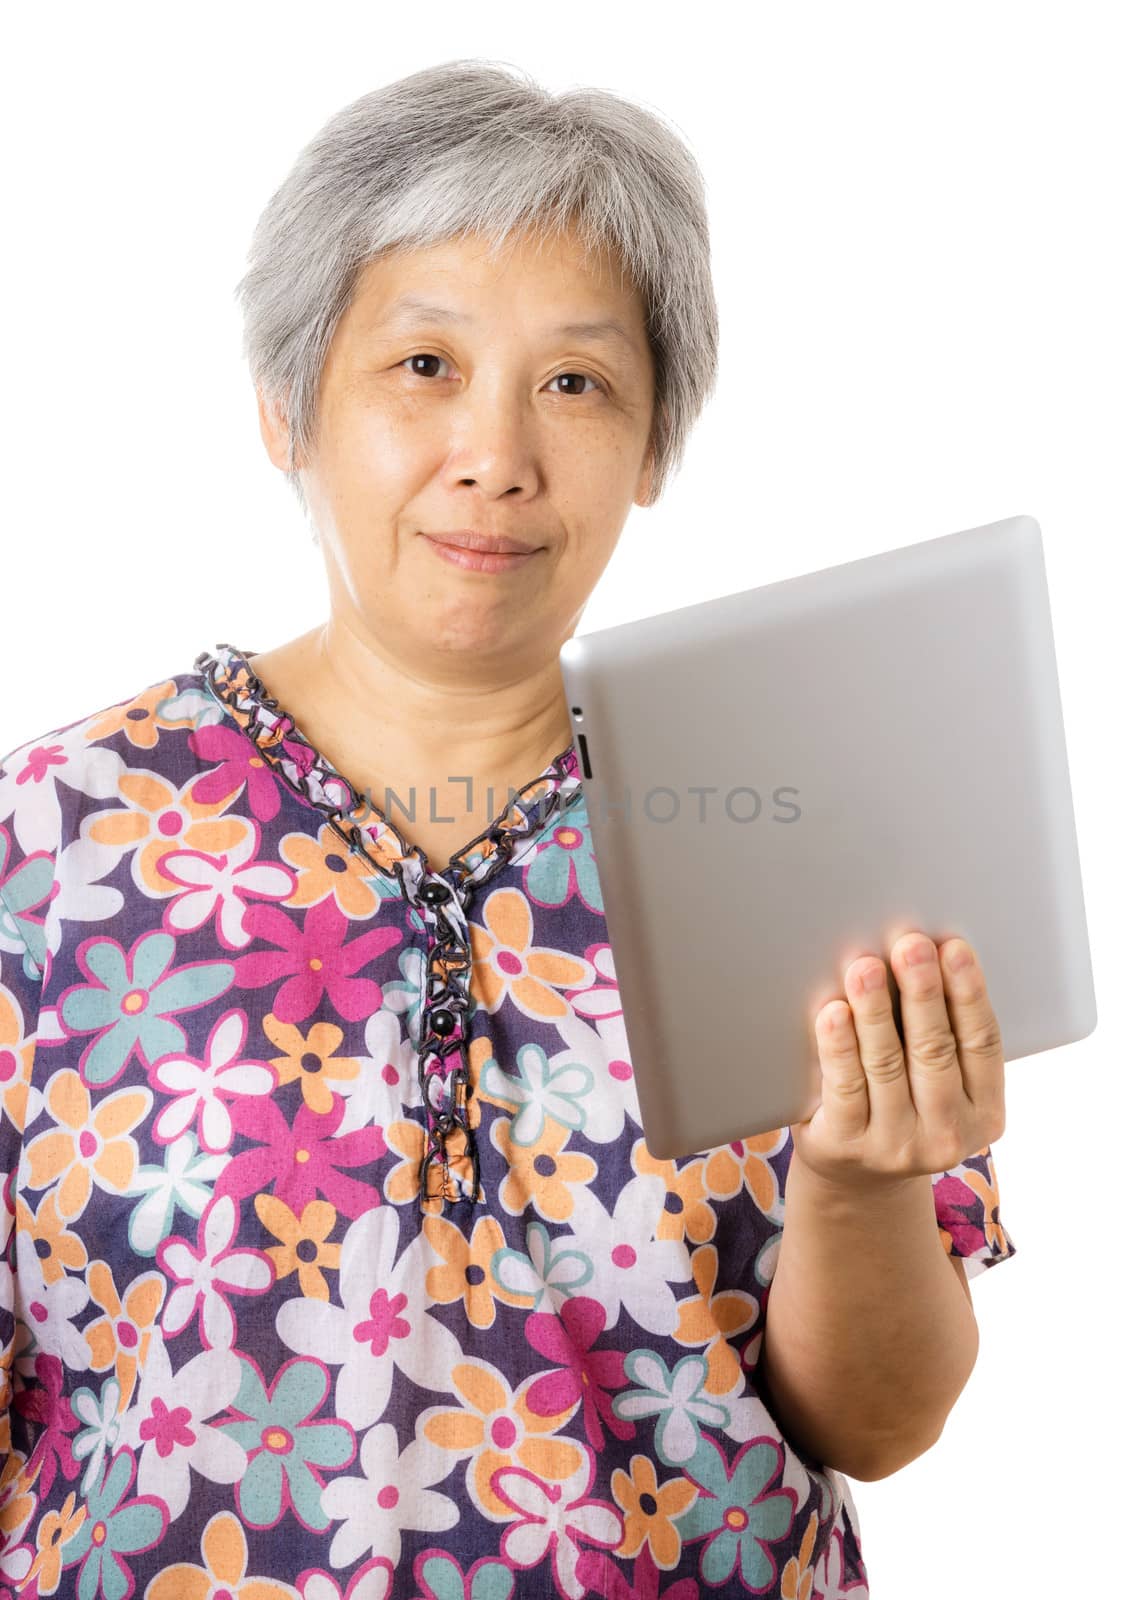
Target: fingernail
x: 959, y: 957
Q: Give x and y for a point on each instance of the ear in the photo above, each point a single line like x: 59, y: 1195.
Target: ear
x: 644, y: 492
x: 273, y: 430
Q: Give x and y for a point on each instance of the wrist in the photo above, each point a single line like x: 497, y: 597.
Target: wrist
x: 853, y: 1187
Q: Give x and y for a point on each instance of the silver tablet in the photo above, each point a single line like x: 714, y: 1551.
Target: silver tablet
x: 781, y: 780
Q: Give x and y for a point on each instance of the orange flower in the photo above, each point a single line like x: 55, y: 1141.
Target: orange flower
x: 745, y: 1162
x: 497, y: 1429
x: 225, y: 1553
x: 16, y: 1500
x: 990, y: 1199
x: 159, y: 818
x: 138, y: 719
x: 56, y: 1247
x: 540, y: 1173
x: 328, y: 866
x: 122, y: 1336
x: 467, y: 1270
x: 712, y: 1319
x: 16, y: 1052
x: 506, y: 966
x: 649, y: 1508
x: 311, y: 1059
x: 686, y: 1211
x: 303, y: 1246
x: 404, y: 1181
x: 798, y: 1574
x: 54, y: 1530
x: 82, y: 1144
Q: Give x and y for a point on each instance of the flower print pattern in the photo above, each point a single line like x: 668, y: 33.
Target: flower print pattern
x: 311, y: 1059
x: 224, y: 1553
x: 240, y: 1356
x: 159, y: 822
x: 287, y: 1445
x: 200, y: 1089
x: 130, y: 1001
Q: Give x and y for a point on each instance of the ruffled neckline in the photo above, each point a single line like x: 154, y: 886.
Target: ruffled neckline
x: 307, y: 772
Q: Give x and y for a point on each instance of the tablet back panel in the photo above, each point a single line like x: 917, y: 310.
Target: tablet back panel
x: 787, y: 778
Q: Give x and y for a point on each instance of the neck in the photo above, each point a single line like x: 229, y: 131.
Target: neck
x: 385, y: 726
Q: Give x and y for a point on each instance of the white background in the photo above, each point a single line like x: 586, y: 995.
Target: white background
x: 921, y: 229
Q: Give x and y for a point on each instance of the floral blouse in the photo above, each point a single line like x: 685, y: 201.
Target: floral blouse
x: 332, y: 1259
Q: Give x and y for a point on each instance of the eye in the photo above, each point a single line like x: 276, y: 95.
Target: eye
x: 424, y: 355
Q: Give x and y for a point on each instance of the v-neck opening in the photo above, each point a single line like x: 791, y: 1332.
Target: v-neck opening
x: 303, y: 769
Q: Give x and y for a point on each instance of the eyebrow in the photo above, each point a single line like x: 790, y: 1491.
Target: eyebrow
x: 410, y: 305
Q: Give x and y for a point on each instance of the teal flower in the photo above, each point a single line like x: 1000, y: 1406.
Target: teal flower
x: 284, y: 1446
x: 565, y: 865
x: 114, y: 1527
x: 439, y: 1576
x: 192, y: 707
x: 543, y: 1271
x: 539, y: 1092
x: 739, y: 1519
x: 24, y: 904
x: 676, y: 1398
x: 131, y: 1000
x: 186, y: 1181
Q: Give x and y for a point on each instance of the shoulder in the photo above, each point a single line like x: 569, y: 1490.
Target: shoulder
x: 49, y: 782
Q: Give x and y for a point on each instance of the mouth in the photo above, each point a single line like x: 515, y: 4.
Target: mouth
x: 480, y: 553
x: 489, y: 543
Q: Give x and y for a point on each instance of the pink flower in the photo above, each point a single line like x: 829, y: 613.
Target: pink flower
x: 302, y: 1160
x: 240, y: 762
x: 167, y: 1428
x: 45, y: 1403
x: 315, y: 960
x: 601, y: 1576
x: 584, y: 1374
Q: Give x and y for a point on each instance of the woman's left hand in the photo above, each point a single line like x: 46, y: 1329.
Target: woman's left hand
x: 888, y: 1113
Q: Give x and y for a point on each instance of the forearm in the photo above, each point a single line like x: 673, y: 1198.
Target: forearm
x: 868, y: 1338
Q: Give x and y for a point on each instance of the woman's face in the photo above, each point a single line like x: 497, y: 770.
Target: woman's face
x: 494, y: 419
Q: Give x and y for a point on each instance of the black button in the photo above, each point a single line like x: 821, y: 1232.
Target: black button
x: 434, y: 893
x: 443, y: 1022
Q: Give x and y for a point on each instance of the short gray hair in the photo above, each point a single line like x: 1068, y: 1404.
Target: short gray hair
x: 467, y: 147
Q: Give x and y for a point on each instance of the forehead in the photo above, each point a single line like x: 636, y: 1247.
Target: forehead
x: 548, y: 283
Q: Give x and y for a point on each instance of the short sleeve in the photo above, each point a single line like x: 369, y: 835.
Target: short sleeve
x: 20, y: 982
x: 967, y: 1200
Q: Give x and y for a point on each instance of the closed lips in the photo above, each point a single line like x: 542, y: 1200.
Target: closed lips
x: 489, y: 544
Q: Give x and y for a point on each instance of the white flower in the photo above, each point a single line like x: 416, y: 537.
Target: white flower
x: 632, y: 1268
x: 605, y: 1049
x: 202, y: 1274
x: 393, y: 1494
x: 371, y: 1581
x: 218, y: 887
x: 185, y: 1180
x: 169, y: 1422
x: 103, y: 1426
x: 553, y: 1519
x: 677, y: 1399
x: 387, y: 1076
x: 382, y: 1323
x: 199, y: 1085
x: 31, y: 774
x: 48, y: 1309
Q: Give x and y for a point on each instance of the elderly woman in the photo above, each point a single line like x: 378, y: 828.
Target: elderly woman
x: 336, y: 1262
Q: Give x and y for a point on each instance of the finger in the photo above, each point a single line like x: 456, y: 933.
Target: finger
x: 936, y: 1085
x: 980, y: 1049
x: 892, y: 1110
x: 846, y: 1103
